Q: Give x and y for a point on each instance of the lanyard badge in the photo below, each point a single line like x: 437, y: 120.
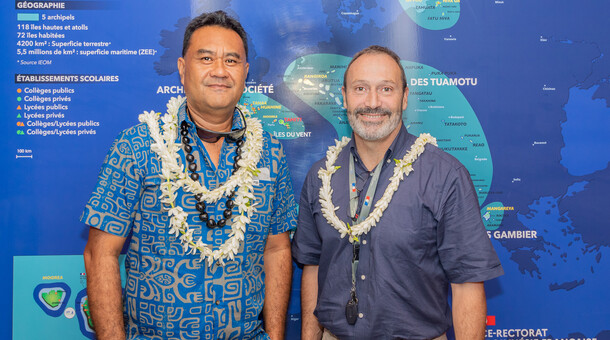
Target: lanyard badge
x: 351, y: 308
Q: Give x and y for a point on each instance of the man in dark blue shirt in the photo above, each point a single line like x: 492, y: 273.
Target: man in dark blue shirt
x: 387, y: 223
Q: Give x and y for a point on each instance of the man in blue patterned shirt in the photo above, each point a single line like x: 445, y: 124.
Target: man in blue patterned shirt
x: 209, y: 254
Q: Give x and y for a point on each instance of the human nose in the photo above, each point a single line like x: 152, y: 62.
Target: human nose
x: 219, y: 69
x: 372, y: 99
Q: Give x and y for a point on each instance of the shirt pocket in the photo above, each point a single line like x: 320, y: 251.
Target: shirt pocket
x: 263, y: 204
x: 150, y: 194
x: 151, y: 229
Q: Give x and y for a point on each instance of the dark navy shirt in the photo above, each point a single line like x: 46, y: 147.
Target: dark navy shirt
x: 430, y: 235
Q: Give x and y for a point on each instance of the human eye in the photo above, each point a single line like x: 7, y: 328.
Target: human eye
x: 386, y: 89
x: 359, y: 89
x: 206, y: 59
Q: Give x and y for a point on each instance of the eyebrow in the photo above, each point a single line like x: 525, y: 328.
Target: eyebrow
x: 388, y: 82
x: 228, y: 54
x: 368, y: 82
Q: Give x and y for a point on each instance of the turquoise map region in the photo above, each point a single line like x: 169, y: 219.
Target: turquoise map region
x: 436, y: 106
x: 276, y: 118
x: 493, y: 214
x: 50, y: 297
x: 432, y: 14
x: 85, y: 322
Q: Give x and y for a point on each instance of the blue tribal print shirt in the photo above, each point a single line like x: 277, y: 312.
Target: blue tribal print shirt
x: 170, y: 295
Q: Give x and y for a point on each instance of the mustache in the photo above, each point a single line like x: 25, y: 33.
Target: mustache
x: 370, y: 110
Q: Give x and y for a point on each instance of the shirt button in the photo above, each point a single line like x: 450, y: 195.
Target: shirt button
x: 217, y: 302
x: 363, y: 241
x: 363, y: 277
x: 360, y: 315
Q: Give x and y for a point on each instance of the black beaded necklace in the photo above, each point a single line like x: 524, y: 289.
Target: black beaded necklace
x: 192, y: 166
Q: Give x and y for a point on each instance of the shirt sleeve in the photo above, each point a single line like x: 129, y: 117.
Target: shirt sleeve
x: 285, y: 212
x: 306, y: 244
x: 465, y: 250
x: 113, y: 203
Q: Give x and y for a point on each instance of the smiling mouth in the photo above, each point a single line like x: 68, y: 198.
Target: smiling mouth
x: 369, y: 112
x: 223, y: 86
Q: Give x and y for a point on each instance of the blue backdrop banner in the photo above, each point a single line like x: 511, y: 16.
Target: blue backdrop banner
x: 518, y: 91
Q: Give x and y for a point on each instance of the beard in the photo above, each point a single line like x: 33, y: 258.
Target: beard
x: 372, y: 131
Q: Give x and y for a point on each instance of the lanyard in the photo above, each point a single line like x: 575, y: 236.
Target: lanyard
x: 353, y: 193
x: 352, y: 306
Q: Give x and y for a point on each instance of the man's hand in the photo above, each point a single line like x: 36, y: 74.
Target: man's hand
x: 310, y: 328
x: 469, y: 310
x: 104, y: 284
x: 278, y: 277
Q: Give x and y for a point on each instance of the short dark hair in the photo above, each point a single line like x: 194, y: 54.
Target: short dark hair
x: 376, y: 49
x: 218, y: 18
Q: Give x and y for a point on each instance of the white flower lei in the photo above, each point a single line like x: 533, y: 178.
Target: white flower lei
x: 403, y: 168
x: 175, y: 176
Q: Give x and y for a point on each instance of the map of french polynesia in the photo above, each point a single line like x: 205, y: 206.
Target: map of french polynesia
x: 569, y: 246
x: 432, y: 14
x: 52, y: 297
x: 436, y: 106
x: 275, y: 118
x: 85, y: 322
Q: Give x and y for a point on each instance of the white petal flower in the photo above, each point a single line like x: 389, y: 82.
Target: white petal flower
x: 402, y: 168
x: 175, y: 177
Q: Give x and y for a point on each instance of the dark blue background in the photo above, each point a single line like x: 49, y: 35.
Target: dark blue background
x: 42, y: 198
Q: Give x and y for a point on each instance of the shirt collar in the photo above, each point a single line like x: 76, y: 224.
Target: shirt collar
x: 237, y: 124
